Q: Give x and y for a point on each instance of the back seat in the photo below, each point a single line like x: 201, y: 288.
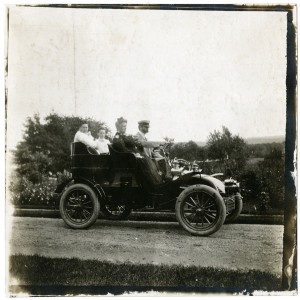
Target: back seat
x: 82, y: 158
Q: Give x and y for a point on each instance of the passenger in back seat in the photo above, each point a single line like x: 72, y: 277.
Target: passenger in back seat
x: 121, y: 141
x: 84, y: 136
x: 102, y: 142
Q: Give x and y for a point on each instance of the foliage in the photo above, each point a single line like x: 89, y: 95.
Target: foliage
x: 24, y: 192
x: 263, y: 182
x: 32, y: 165
x: 46, y: 146
x: 223, y: 145
x: 263, y: 150
x: 272, y: 177
x: 224, y: 153
x: 189, y: 151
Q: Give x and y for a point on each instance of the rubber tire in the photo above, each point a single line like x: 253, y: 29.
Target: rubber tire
x: 107, y: 215
x: 218, y: 199
x: 231, y: 217
x: 95, y: 202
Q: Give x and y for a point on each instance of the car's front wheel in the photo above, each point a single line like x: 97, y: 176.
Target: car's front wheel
x: 79, y: 206
x: 200, y: 210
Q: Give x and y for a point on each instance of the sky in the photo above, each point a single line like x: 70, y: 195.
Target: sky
x: 188, y: 72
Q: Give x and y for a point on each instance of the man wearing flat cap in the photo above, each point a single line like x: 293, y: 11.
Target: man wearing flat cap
x: 147, y: 149
x: 147, y: 146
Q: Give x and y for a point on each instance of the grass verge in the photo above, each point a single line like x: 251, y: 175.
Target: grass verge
x: 37, y: 275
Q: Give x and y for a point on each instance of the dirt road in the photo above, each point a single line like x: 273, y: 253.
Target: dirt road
x: 235, y: 246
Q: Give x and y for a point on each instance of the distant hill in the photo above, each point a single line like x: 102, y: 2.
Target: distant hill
x: 266, y: 139
x: 257, y: 140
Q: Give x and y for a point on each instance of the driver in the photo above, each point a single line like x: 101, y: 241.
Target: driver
x: 84, y: 136
x: 147, y: 146
x: 147, y: 149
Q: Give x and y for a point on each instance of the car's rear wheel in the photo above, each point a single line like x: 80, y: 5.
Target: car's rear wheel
x: 79, y: 206
x: 115, y: 212
x: 200, y: 210
x: 234, y: 214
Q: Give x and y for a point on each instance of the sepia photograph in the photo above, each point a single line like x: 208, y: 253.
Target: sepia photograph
x: 150, y: 149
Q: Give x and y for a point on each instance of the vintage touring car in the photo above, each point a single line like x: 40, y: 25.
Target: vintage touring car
x: 111, y: 184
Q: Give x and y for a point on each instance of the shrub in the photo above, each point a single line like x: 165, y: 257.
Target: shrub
x: 24, y: 192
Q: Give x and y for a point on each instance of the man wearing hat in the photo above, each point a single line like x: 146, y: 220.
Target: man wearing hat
x: 147, y: 146
x: 147, y: 149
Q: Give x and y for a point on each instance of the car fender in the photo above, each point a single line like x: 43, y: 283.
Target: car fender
x: 211, y: 181
x: 100, y: 192
x: 94, y: 185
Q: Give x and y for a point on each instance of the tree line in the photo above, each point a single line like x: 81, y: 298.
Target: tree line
x: 222, y: 145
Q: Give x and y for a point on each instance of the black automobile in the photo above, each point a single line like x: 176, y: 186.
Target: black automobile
x: 112, y: 184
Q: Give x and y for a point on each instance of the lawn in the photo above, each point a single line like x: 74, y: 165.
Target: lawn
x: 38, y: 275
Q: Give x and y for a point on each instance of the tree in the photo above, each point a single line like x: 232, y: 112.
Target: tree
x: 272, y: 170
x: 189, y: 151
x: 263, y: 150
x: 225, y: 146
x: 46, y: 145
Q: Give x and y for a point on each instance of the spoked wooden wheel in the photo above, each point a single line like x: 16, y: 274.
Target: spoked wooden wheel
x: 200, y: 210
x: 79, y: 206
